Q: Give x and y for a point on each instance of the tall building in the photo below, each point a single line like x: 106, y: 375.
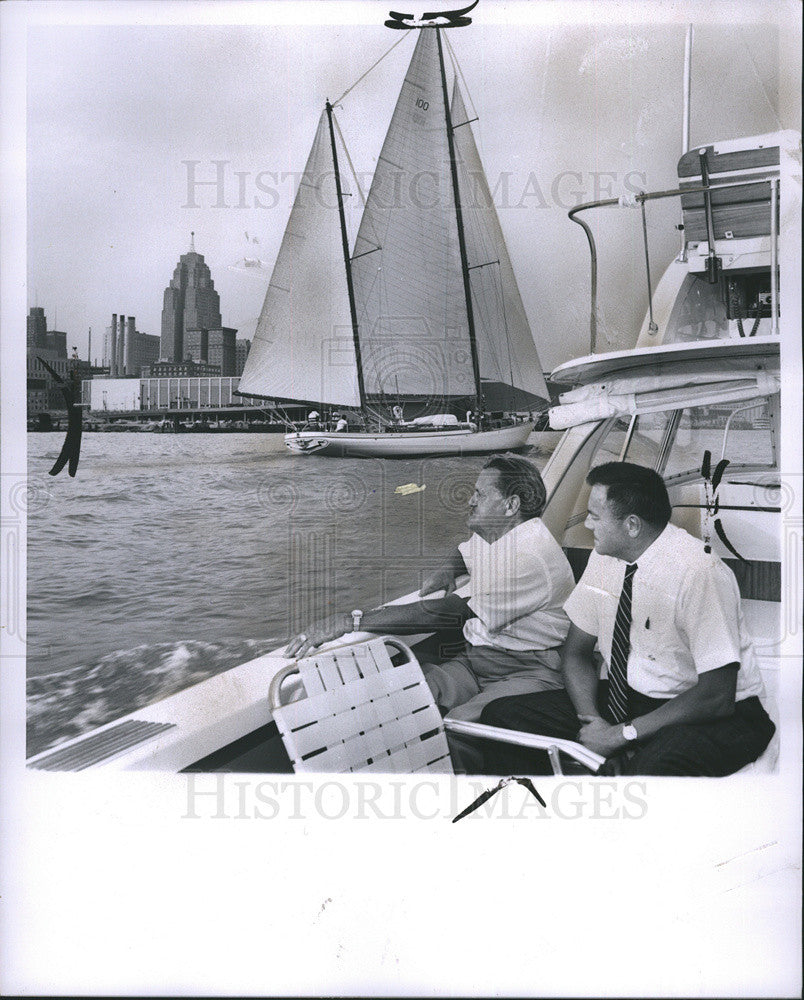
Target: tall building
x: 242, y: 347
x: 221, y: 349
x: 57, y: 341
x: 217, y: 347
x: 190, y: 303
x: 196, y: 345
x: 37, y: 329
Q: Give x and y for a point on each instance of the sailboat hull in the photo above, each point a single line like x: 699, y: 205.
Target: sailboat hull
x: 395, y: 444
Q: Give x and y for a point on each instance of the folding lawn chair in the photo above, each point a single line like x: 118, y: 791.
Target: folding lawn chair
x: 365, y: 709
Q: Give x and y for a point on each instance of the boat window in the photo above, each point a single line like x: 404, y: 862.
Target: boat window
x: 743, y: 432
x: 643, y: 440
x: 673, y: 442
x: 651, y: 438
x: 611, y: 444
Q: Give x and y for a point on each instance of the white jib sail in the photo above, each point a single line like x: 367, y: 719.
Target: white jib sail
x: 303, y: 346
x: 506, y: 351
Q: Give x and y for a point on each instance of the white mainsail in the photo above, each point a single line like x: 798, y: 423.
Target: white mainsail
x: 411, y: 309
x: 303, y: 346
x: 507, y: 353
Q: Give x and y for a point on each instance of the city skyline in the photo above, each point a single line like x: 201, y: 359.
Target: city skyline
x: 207, y: 131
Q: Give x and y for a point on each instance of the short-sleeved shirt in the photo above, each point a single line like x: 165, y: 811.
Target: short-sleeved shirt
x: 686, y: 616
x: 517, y: 588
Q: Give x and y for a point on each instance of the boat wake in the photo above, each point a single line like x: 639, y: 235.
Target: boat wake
x: 67, y: 703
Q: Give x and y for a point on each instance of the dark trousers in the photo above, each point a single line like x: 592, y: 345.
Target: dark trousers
x: 699, y: 749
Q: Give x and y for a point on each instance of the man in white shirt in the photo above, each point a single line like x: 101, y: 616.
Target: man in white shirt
x: 519, y: 578
x: 679, y: 689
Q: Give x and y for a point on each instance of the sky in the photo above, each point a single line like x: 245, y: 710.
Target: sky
x: 574, y: 103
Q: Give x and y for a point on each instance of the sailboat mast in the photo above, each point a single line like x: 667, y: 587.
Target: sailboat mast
x: 347, y: 261
x: 467, y: 287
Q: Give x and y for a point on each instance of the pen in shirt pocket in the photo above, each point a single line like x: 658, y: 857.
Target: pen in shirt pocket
x: 647, y: 623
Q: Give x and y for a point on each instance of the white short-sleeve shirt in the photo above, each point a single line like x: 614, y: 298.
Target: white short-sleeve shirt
x: 517, y: 589
x: 686, y: 616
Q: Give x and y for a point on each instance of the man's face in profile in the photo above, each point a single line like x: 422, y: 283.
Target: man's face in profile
x: 610, y: 534
x: 488, y: 507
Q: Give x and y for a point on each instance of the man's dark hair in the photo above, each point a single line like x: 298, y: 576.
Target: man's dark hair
x: 633, y: 489
x: 516, y: 476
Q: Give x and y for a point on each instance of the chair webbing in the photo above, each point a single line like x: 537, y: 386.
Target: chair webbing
x: 362, y: 713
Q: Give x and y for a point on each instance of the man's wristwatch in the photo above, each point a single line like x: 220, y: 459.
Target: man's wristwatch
x: 629, y: 733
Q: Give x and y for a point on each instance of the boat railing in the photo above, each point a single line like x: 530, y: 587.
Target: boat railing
x: 640, y: 200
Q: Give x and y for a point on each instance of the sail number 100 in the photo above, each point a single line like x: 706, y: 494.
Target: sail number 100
x: 424, y: 105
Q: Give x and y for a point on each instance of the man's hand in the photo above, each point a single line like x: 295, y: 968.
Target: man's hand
x: 444, y: 580
x: 598, y: 735
x: 324, y: 631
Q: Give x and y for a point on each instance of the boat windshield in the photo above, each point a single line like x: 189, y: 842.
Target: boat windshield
x: 674, y: 443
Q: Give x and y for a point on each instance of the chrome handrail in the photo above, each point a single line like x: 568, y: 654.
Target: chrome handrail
x: 640, y: 199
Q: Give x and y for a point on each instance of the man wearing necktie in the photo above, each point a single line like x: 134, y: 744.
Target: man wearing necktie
x: 678, y: 693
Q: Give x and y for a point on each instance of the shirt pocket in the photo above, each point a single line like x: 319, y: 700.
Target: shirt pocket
x: 653, y: 632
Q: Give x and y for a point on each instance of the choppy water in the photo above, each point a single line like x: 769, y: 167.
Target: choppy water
x: 172, y: 557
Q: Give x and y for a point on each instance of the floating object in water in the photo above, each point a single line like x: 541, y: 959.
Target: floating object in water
x: 410, y: 488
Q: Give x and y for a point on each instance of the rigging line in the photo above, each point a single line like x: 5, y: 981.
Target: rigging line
x: 457, y: 67
x: 377, y: 63
x: 349, y: 160
x: 774, y: 112
x: 284, y: 416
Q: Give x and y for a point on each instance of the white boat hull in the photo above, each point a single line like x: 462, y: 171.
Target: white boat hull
x: 393, y: 444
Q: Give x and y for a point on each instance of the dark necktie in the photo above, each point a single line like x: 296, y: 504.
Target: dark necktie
x: 620, y: 647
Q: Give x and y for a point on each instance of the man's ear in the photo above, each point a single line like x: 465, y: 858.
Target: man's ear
x: 633, y: 525
x: 514, y: 503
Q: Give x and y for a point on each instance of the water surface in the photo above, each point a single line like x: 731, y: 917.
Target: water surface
x: 172, y: 557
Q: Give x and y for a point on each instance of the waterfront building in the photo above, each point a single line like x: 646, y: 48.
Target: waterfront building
x: 242, y: 347
x: 171, y: 393
x: 189, y: 393
x: 190, y: 303
x: 42, y: 390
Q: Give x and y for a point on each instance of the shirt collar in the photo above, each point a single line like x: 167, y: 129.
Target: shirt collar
x: 658, y: 550
x: 517, y: 530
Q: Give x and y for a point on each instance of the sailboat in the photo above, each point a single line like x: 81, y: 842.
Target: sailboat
x: 418, y: 330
